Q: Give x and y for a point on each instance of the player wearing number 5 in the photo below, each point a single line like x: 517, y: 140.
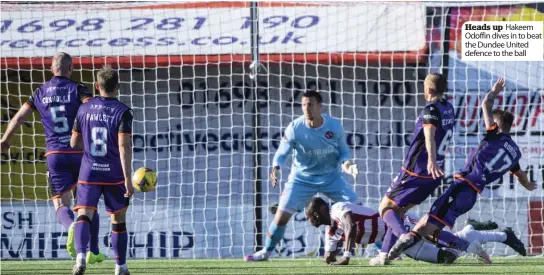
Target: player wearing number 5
x: 320, y: 155
x: 423, y: 166
x: 496, y: 155
x: 57, y: 101
x: 103, y: 126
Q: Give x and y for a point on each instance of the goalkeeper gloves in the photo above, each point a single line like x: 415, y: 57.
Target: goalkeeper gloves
x: 350, y: 168
x: 275, y: 175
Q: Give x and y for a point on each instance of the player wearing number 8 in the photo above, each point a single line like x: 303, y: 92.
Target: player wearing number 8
x: 496, y: 155
x: 58, y: 101
x: 104, y: 126
x: 422, y: 169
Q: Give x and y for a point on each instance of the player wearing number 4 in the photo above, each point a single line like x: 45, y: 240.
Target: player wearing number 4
x: 496, y: 155
x: 57, y: 101
x: 320, y: 155
x: 103, y: 127
x: 422, y: 169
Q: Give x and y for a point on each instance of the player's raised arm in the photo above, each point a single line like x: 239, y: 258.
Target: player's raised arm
x: 347, y: 165
x: 125, y: 150
x: 431, y: 120
x: 489, y: 100
x: 285, y: 148
x: 19, y: 118
x: 522, y: 178
x: 350, y: 229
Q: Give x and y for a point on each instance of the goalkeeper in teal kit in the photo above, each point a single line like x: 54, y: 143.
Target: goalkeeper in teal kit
x: 320, y: 155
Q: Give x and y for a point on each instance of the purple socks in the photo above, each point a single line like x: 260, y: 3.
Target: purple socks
x: 82, y: 234
x: 119, y: 242
x: 449, y: 240
x: 65, y: 216
x: 388, y: 241
x: 394, y: 222
x: 95, y: 227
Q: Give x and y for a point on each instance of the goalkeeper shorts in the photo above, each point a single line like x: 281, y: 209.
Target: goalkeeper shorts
x: 297, y: 195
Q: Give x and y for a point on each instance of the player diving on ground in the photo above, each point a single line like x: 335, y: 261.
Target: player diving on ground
x: 357, y: 224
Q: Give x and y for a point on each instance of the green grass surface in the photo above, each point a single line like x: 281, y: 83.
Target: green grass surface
x: 528, y: 265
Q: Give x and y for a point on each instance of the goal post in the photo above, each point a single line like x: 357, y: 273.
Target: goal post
x: 185, y: 71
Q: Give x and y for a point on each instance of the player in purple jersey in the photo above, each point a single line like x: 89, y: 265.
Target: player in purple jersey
x: 423, y: 166
x: 57, y: 101
x: 103, y: 127
x: 496, y: 155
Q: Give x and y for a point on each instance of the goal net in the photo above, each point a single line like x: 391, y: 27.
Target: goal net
x: 210, y: 130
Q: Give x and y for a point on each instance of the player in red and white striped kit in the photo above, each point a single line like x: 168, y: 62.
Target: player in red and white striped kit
x: 364, y: 226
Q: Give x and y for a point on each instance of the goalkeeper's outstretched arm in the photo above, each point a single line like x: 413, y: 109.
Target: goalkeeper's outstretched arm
x: 284, y: 150
x: 344, y: 158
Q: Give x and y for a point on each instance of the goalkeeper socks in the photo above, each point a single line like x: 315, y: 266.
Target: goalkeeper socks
x: 448, y: 239
x: 119, y: 240
x: 394, y: 222
x: 65, y: 216
x: 388, y: 241
x: 82, y: 232
x: 274, y: 236
x: 95, y: 227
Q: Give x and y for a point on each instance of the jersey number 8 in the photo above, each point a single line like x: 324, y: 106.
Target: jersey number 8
x: 99, y: 138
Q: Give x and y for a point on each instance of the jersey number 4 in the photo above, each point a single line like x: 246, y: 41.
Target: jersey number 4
x: 490, y: 165
x: 443, y: 148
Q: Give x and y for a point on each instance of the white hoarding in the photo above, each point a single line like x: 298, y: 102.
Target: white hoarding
x: 208, y: 29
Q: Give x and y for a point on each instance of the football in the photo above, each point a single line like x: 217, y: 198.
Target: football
x: 144, y: 179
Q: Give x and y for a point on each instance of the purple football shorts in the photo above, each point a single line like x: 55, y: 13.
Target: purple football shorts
x: 88, y: 196
x: 62, y: 172
x: 458, y: 199
x: 408, y: 189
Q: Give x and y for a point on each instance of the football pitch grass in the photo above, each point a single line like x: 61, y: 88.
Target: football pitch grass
x: 527, y: 265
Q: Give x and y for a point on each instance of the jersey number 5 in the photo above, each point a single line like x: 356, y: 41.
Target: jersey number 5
x: 506, y: 159
x: 99, y: 141
x: 59, y: 119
